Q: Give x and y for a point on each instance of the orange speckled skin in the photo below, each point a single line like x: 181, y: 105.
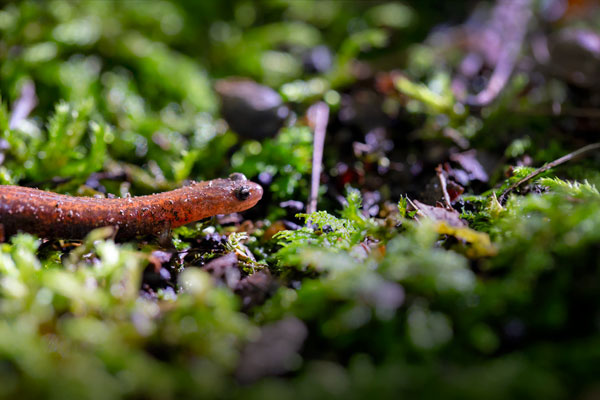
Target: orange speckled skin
x: 48, y: 214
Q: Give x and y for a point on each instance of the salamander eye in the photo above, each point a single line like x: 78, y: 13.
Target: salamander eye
x: 242, y: 193
x: 238, y: 177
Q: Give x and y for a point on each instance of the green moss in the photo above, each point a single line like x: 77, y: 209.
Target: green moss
x: 392, y: 304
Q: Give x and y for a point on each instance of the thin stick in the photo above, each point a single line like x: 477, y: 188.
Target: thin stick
x: 442, y: 178
x: 577, y: 153
x: 319, y: 115
x: 24, y: 104
x: 515, y: 31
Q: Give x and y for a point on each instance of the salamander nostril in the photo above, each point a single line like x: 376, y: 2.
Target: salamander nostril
x: 242, y: 193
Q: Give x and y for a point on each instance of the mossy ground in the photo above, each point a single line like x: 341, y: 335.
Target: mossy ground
x: 363, y: 298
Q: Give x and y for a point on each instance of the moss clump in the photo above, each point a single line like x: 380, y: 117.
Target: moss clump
x: 369, y: 297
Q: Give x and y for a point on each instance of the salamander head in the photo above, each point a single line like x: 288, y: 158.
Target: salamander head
x: 220, y: 196
x: 244, y: 194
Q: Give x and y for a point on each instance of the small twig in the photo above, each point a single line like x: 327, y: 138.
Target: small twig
x: 515, y: 31
x: 497, y: 82
x: 413, y: 205
x: 577, y: 153
x: 24, y: 104
x: 318, y: 115
x: 442, y: 178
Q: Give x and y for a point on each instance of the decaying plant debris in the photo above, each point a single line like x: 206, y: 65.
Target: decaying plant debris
x: 430, y: 224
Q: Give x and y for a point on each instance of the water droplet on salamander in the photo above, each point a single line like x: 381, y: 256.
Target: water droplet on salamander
x: 238, y: 177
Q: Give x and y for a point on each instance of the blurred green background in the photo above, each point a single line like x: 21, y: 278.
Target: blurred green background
x: 119, y: 98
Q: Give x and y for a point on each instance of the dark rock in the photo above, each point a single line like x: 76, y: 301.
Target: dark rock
x: 256, y: 288
x: 225, y: 269
x: 275, y: 351
x: 252, y: 110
